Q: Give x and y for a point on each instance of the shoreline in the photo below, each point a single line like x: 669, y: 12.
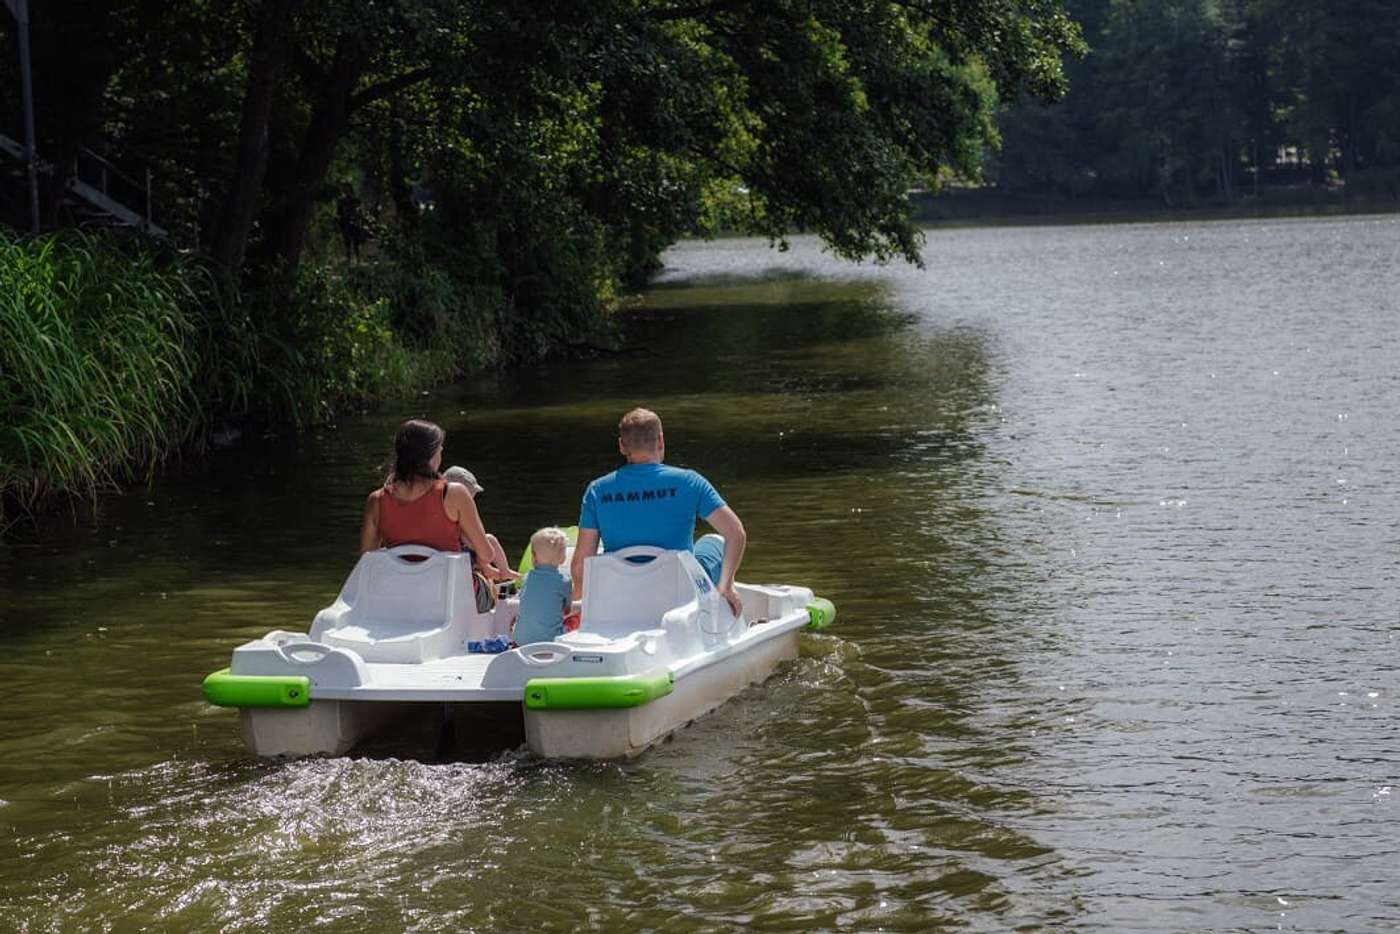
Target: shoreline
x: 981, y: 208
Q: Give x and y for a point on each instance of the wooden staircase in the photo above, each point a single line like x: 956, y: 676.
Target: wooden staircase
x: 89, y: 191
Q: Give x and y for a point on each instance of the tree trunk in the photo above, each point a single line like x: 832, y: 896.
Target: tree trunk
x: 1227, y: 171
x: 399, y: 188
x: 287, y: 236
x: 1317, y: 157
x: 1349, y: 136
x: 272, y: 45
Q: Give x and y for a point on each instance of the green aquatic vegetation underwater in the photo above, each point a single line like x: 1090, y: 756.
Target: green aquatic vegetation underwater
x: 96, y: 367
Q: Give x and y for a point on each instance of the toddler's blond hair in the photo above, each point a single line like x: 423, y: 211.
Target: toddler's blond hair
x: 548, y: 545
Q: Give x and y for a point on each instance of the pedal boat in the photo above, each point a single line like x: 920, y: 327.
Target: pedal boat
x: 657, y: 647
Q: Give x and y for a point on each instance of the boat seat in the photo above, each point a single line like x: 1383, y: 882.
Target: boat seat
x: 406, y: 604
x: 622, y: 596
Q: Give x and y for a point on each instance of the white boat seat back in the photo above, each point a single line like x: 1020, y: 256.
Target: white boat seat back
x: 405, y: 604
x: 620, y: 596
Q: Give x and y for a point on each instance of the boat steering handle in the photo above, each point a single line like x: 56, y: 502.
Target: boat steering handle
x: 555, y: 652
x: 288, y: 651
x: 412, y: 551
x: 637, y: 551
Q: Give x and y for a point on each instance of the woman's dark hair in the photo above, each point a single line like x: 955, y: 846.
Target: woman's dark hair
x: 415, y: 443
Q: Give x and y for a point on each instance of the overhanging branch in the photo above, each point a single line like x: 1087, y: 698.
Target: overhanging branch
x: 387, y: 88
x: 692, y: 11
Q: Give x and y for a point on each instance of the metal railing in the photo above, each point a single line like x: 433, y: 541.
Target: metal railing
x: 99, y: 173
x: 96, y: 180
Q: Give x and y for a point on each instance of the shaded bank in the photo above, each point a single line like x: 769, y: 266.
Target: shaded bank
x: 977, y: 206
x: 115, y: 355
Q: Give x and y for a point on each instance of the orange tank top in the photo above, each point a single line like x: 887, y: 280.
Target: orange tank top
x: 418, y: 522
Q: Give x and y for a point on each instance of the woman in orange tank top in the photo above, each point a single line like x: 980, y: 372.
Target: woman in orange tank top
x: 416, y: 506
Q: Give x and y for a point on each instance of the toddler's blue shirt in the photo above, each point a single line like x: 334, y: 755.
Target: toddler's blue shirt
x: 544, y: 593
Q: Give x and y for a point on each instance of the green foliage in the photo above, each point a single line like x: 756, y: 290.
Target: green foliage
x: 436, y: 307
x: 97, y: 364
x: 616, y: 116
x: 298, y: 352
x: 545, y: 283
x: 113, y: 357
x: 518, y: 163
x: 1191, y: 100
x: 336, y: 338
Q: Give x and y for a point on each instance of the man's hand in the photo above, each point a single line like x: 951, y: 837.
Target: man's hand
x: 732, y: 598
x: 726, y: 522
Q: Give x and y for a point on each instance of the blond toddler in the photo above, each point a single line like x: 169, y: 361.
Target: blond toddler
x: 546, y: 592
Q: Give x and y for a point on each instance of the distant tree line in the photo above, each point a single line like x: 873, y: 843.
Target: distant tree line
x: 1184, y: 101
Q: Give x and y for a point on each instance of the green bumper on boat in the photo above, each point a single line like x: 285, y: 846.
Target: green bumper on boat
x: 228, y: 690
x: 596, y: 693
x: 821, y: 613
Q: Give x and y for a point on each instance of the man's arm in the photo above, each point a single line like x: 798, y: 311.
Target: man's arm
x: 726, y: 522
x: 586, y: 546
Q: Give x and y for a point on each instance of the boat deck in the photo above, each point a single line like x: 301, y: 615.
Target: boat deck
x: 457, y: 678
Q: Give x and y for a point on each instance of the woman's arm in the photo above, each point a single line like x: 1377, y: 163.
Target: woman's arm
x: 369, y: 529
x: 462, y: 508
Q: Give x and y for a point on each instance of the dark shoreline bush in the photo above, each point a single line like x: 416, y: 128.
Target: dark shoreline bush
x: 113, y: 356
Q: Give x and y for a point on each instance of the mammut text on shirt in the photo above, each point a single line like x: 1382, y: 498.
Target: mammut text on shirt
x: 647, y: 504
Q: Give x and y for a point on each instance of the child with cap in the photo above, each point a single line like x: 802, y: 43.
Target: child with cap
x: 468, y: 479
x: 546, y: 592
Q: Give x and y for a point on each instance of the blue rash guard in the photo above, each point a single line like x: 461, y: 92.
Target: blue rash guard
x: 648, y: 504
x: 544, y: 598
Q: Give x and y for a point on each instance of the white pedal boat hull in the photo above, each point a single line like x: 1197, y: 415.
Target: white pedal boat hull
x: 623, y: 733
x: 657, y: 648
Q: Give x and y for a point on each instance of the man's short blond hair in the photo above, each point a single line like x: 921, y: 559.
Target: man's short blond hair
x: 640, y: 429
x: 549, y: 543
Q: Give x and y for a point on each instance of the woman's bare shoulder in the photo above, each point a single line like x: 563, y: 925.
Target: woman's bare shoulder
x: 454, y: 498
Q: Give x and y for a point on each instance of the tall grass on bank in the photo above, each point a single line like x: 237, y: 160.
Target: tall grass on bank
x: 97, y: 363
x: 112, y: 356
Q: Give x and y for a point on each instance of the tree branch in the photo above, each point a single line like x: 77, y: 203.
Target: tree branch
x: 386, y: 88
x: 693, y: 11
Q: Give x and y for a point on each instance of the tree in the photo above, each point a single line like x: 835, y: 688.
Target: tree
x: 608, y: 129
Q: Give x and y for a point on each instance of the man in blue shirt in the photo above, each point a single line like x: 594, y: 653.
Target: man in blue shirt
x: 646, y: 502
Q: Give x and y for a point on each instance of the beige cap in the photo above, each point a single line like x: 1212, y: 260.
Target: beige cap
x: 465, y: 477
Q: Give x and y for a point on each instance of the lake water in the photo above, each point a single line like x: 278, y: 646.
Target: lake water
x: 1110, y: 518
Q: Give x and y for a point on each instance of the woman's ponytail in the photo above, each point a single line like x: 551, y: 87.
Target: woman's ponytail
x: 415, y: 443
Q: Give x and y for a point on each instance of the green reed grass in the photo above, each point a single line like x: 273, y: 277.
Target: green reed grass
x: 98, y: 354
x: 111, y: 358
